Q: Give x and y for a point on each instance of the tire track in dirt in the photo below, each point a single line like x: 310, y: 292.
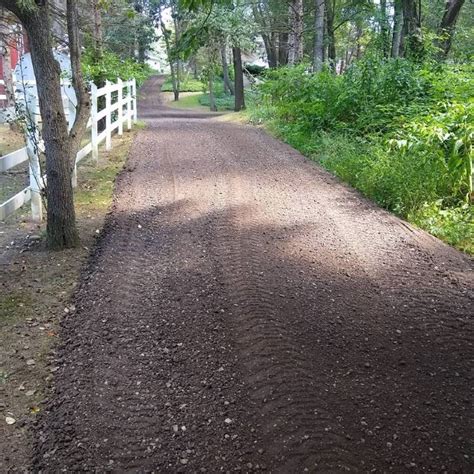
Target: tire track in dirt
x: 245, y: 311
x: 284, y: 385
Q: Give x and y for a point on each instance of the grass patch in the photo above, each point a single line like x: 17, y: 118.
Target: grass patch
x: 223, y: 101
x: 96, y: 180
x: 188, y: 85
x: 14, y: 305
x: 190, y: 100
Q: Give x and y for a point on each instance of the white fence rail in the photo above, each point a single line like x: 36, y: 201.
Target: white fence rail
x: 2, y: 96
x: 120, y: 108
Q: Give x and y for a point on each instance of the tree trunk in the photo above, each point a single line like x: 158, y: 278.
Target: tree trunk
x: 166, y: 36
x: 384, y: 28
x: 141, y: 52
x: 61, y: 225
x: 318, y: 52
x: 412, y: 38
x: 239, y: 79
x: 228, y: 86
x: 397, y: 29
x: 295, y: 37
x: 177, y: 32
x: 448, y: 25
x: 60, y: 145
x: 97, y: 31
x: 330, y: 12
x: 282, y: 49
x: 194, y: 67
x: 212, y: 100
x: 270, y: 50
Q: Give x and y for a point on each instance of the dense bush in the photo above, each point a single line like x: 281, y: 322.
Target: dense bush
x: 110, y: 67
x: 400, y: 132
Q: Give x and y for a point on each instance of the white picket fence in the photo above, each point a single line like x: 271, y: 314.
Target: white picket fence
x: 120, y: 108
x: 2, y: 96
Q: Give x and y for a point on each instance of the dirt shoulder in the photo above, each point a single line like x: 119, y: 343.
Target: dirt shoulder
x: 35, y: 291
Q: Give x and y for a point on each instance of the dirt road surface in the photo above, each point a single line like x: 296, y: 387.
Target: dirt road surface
x: 244, y: 311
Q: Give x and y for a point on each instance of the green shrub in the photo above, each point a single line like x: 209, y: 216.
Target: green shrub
x: 111, y: 67
x: 399, y: 131
x: 453, y: 225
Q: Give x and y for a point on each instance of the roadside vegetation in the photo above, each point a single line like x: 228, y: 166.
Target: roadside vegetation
x: 379, y: 93
x: 399, y: 131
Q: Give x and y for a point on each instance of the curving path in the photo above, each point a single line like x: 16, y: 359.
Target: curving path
x: 245, y: 311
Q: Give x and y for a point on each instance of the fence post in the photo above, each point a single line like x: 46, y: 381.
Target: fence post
x: 129, y: 105
x: 71, y: 120
x: 120, y: 106
x: 94, y: 126
x: 135, y: 114
x: 108, y: 116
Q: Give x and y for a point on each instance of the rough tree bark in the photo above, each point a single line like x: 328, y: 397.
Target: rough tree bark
x: 412, y: 36
x: 448, y: 25
x: 397, y: 28
x: 295, y: 36
x: 97, y: 30
x: 239, y: 79
x: 60, y: 146
x: 318, y: 51
x: 384, y: 28
x: 330, y: 30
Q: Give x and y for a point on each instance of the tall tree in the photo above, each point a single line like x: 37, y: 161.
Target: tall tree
x: 412, y: 34
x: 447, y: 25
x: 397, y: 28
x: 61, y: 146
x: 384, y: 28
x: 239, y: 79
x: 318, y: 51
x: 97, y: 32
x: 295, y: 36
x: 271, y: 16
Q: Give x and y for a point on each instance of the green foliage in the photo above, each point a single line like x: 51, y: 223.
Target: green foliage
x: 400, y: 132
x: 187, y: 85
x: 255, y: 70
x: 26, y: 5
x: 128, y: 28
x: 222, y: 101
x: 110, y: 67
x: 453, y: 225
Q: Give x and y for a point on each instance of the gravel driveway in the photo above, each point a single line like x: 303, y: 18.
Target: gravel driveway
x: 246, y: 311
